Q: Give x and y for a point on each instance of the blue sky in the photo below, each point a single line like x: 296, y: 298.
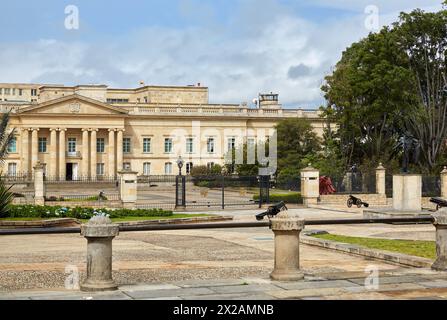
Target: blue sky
x: 236, y: 47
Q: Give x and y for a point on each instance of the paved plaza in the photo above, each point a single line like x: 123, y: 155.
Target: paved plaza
x: 215, y: 264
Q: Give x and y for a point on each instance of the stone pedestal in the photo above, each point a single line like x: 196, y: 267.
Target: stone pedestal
x: 287, y: 229
x: 128, y: 188
x: 99, y: 232
x: 407, y: 192
x: 440, y: 223
x: 380, y: 179
x: 444, y: 183
x: 39, y: 185
x: 310, y: 185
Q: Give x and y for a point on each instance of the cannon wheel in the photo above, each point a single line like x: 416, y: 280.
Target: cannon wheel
x: 350, y: 202
x: 437, y: 207
x: 359, y: 204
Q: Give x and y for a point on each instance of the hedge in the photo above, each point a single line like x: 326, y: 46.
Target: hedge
x: 32, y: 211
x: 294, y: 197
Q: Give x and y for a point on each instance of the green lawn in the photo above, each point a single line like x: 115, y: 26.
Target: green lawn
x: 425, y: 249
x: 123, y: 219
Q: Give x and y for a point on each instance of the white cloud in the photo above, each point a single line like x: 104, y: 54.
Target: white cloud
x: 237, y: 62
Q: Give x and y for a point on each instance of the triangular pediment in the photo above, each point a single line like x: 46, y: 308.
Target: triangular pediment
x: 73, y: 104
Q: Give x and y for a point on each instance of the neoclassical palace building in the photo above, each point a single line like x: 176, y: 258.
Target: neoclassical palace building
x: 93, y: 130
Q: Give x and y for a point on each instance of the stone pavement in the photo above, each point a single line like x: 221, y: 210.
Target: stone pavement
x: 398, y: 284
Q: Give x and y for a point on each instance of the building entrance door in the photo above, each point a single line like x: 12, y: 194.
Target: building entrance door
x: 69, y: 172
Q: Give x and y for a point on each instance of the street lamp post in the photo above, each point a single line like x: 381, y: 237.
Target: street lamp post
x: 180, y: 165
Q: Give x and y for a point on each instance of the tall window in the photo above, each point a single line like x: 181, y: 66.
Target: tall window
x: 43, y: 144
x: 12, y: 147
x: 210, y: 145
x: 7, y: 91
x: 126, y: 145
x: 168, y: 168
x: 20, y: 92
x: 168, y: 145
x: 100, y: 169
x: 146, y: 145
x: 100, y: 145
x: 34, y: 92
x: 146, y: 168
x: 71, y: 145
x: 231, y: 143
x: 189, y: 145
x: 189, y: 166
x: 12, y: 169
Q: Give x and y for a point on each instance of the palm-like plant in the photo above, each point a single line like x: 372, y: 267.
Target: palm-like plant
x: 6, y: 196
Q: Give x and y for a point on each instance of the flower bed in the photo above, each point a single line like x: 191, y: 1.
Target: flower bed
x: 32, y: 211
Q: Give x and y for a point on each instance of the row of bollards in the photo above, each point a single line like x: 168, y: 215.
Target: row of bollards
x: 100, y: 232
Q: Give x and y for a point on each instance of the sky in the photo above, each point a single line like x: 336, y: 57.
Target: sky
x: 237, y: 48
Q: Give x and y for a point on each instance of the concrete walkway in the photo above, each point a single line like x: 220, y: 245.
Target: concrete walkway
x: 398, y: 284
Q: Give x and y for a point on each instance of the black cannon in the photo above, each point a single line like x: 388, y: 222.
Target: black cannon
x: 440, y: 202
x: 356, y: 201
x: 272, y: 211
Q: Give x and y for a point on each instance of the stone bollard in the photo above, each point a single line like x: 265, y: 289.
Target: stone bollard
x: 440, y: 223
x: 310, y: 185
x: 287, y: 229
x: 128, y: 188
x: 99, y: 232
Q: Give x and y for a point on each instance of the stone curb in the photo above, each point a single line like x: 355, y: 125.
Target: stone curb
x: 62, y: 222
x: 393, y: 257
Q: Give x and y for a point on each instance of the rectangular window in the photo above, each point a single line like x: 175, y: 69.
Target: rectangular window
x: 189, y: 166
x: 231, y: 143
x: 126, y: 145
x: 33, y: 92
x: 13, y: 91
x: 146, y: 168
x: 168, y: 145
x: 210, y: 145
x: 146, y: 145
x: 1, y: 90
x: 20, y: 92
x: 7, y: 91
x: 42, y: 144
x: 189, y: 145
x: 100, y: 145
x: 72, y: 146
x: 12, y: 147
x: 168, y: 168
x: 100, y: 169
x: 12, y: 169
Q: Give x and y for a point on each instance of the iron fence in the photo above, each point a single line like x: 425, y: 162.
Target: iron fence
x: 24, y: 177
x: 80, y: 179
x: 82, y: 197
x: 431, y: 186
x: 351, y: 183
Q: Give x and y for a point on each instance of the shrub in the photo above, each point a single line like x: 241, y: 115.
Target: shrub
x: 294, y: 197
x: 32, y: 211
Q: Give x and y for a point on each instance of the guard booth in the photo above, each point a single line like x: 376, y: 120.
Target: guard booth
x: 310, y: 185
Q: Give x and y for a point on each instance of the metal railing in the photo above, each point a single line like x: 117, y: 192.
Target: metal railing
x: 220, y: 225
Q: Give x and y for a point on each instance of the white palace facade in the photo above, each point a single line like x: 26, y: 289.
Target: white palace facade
x: 93, y: 130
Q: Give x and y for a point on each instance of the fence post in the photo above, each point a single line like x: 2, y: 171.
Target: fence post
x: 39, y: 185
x: 407, y: 192
x: 128, y: 188
x: 287, y: 229
x: 99, y: 232
x: 223, y: 192
x: 380, y: 179
x: 310, y: 185
x: 444, y: 183
x: 180, y: 190
x: 440, y: 223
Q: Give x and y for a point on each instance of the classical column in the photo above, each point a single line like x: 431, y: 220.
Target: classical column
x: 85, y: 155
x: 25, y: 150
x: 119, y: 150
x: 93, y: 154
x: 111, y: 152
x: 34, y: 147
x: 62, y: 164
x: 53, y: 153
